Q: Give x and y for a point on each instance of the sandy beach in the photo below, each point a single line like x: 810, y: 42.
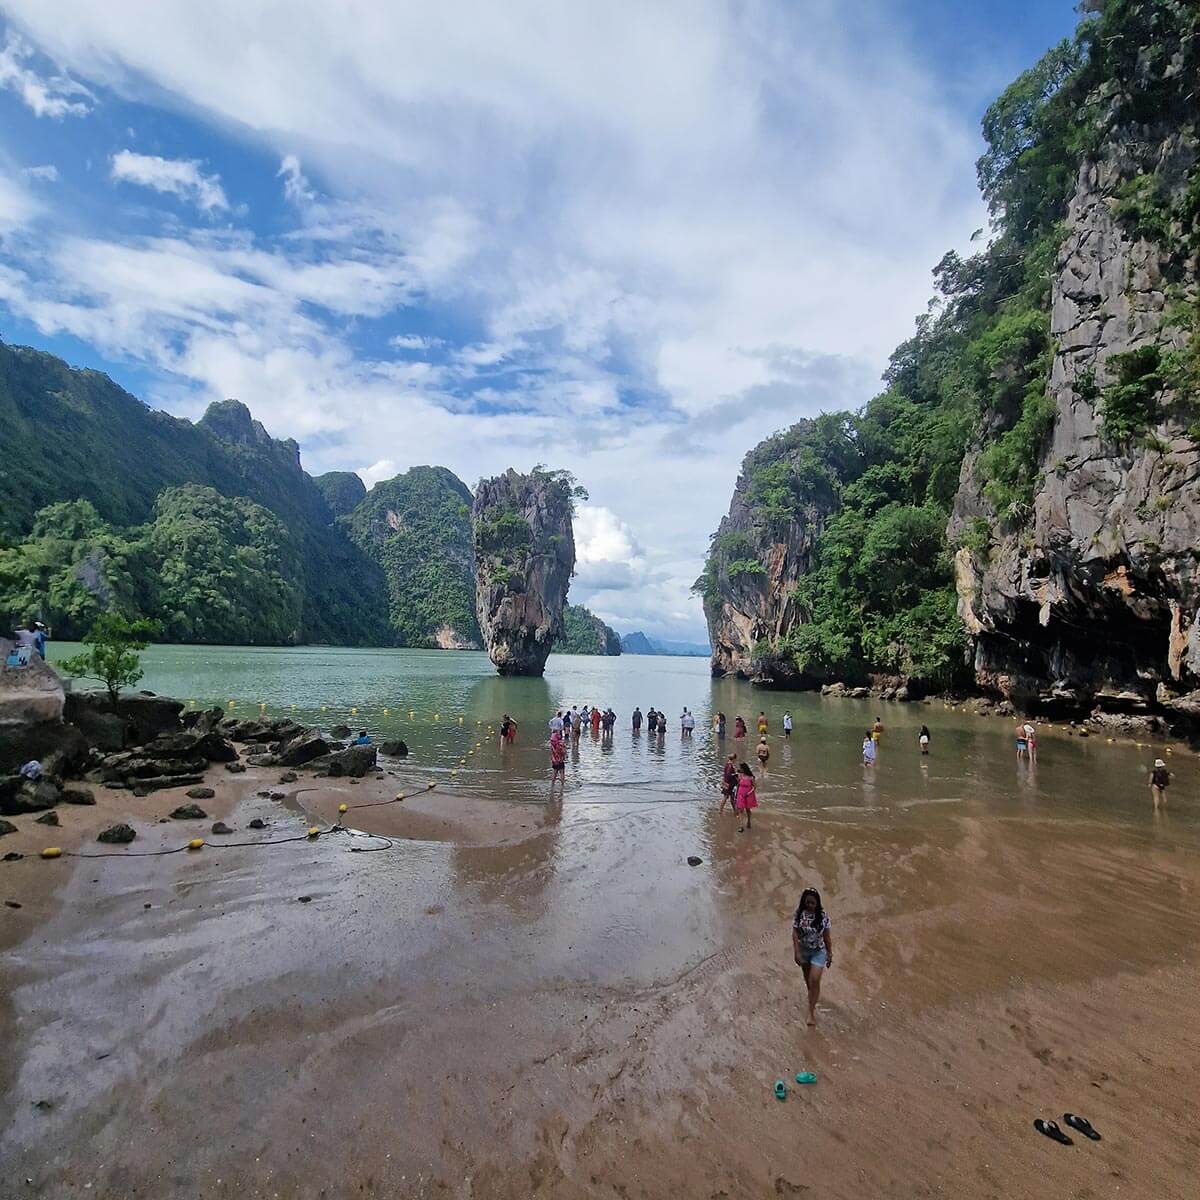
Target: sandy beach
x: 437, y: 1019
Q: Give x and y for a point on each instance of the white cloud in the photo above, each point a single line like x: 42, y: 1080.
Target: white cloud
x: 667, y: 231
x: 55, y: 96
x: 377, y: 472
x: 173, y: 176
x: 43, y: 174
x: 17, y: 206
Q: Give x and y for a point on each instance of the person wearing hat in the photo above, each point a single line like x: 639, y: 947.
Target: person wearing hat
x: 1160, y: 780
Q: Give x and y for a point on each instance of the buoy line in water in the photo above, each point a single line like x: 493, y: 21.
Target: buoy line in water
x: 312, y: 834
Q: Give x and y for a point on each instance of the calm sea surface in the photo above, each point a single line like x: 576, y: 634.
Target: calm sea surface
x: 442, y: 704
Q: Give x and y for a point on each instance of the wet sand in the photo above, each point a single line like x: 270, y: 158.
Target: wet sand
x: 522, y: 999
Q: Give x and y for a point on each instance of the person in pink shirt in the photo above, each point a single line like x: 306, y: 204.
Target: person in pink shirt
x: 747, y: 798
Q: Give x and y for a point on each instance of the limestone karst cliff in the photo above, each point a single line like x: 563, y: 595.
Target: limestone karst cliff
x: 524, y: 559
x: 1018, y: 511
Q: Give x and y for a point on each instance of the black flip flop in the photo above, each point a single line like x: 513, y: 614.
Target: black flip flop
x: 1052, y: 1131
x: 1083, y: 1125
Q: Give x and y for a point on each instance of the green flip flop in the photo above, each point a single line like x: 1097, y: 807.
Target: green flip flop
x: 780, y: 1090
x: 806, y: 1077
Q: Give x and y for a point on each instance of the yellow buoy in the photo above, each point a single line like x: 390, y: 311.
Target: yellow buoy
x: 354, y: 710
x: 313, y: 831
x: 52, y: 852
x: 460, y: 720
x: 195, y: 843
x: 410, y: 715
x: 385, y: 712
x: 324, y: 707
x: 342, y: 808
x: 1169, y: 750
x: 437, y: 716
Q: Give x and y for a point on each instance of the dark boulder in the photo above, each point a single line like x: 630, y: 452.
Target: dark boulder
x: 221, y: 827
x: 8, y: 827
x: 200, y: 793
x: 78, y: 795
x: 396, y: 749
x: 188, y: 812
x: 354, y: 761
x: 117, y: 835
x: 156, y: 783
x: 303, y: 748
x: 47, y: 818
x: 28, y: 795
x: 235, y: 768
x: 339, y: 731
x: 203, y: 721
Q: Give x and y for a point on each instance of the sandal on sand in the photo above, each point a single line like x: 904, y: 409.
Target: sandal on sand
x: 780, y: 1090
x: 806, y: 1077
x: 1052, y: 1131
x: 1083, y: 1125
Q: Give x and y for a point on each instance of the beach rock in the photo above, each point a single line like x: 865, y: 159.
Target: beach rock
x: 694, y: 860
x: 858, y: 693
x: 47, y: 818
x: 339, y: 731
x: 288, y: 777
x: 304, y: 899
x: 235, y: 768
x: 188, y: 812
x: 8, y: 827
x: 17, y: 904
x: 203, y: 721
x: 117, y: 835
x: 28, y: 795
x: 31, y: 709
x: 302, y: 748
x: 12, y: 855
x: 157, y: 783
x: 257, y: 823
x: 201, y: 793
x: 396, y: 749
x: 354, y: 761
x: 78, y: 795
x: 261, y: 760
x: 524, y: 558
x: 276, y: 795
x: 221, y: 827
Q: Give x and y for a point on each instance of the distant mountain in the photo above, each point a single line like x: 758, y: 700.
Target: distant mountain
x: 585, y: 633
x: 74, y: 435
x: 417, y: 528
x: 636, y: 643
x: 639, y: 643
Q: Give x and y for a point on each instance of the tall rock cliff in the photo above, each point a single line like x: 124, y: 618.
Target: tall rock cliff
x: 524, y: 560
x: 1019, y: 510
x: 1091, y: 595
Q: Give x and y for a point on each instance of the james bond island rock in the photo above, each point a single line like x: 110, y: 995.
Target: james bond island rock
x: 524, y: 559
x: 1019, y: 510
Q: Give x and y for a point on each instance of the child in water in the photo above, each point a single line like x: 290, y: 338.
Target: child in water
x: 1160, y: 780
x: 747, y: 798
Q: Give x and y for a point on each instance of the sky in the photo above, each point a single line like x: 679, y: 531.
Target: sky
x: 628, y: 239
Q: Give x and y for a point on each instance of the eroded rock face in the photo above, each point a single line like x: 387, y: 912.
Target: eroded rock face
x: 1097, y: 593
x: 745, y: 607
x: 524, y: 559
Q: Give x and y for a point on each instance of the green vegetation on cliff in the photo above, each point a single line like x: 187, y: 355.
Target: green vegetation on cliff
x: 417, y: 528
x: 872, y: 490
x: 585, y: 633
x: 75, y: 435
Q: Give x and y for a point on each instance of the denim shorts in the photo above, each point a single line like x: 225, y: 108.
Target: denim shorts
x: 815, y: 958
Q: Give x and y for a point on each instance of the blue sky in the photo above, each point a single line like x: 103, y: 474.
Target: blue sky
x: 627, y: 239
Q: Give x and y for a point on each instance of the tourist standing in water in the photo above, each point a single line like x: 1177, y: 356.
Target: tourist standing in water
x: 1022, y: 740
x: 762, y: 723
x: 763, y: 751
x: 1160, y: 780
x: 868, y: 749
x: 787, y: 724
x: 508, y: 731
x: 877, y: 729
x: 686, y: 723
x: 721, y: 725
x: 812, y: 945
x: 595, y: 721
x: 729, y: 782
x: 747, y: 797
x: 556, y: 723
x: 739, y: 728
x: 1030, y: 740
x: 558, y: 761
x: 651, y: 720
x: 923, y: 739
x: 637, y: 720
x: 576, y: 723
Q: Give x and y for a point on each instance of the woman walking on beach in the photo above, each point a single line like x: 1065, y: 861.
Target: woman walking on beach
x: 747, y: 797
x: 812, y: 945
x: 1160, y: 780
